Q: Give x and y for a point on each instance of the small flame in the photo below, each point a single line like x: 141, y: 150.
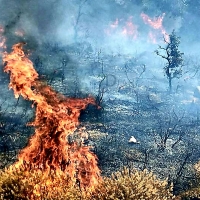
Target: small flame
x: 130, y: 29
x: 115, y: 24
x: 113, y: 27
x: 19, y: 32
x: 55, y: 119
x: 117, y: 27
x: 157, y: 24
x: 152, y: 37
x: 2, y: 39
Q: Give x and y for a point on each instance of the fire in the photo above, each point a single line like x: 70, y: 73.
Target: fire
x: 130, y: 29
x: 124, y: 28
x: 152, y: 37
x: 19, y: 32
x: 115, y: 24
x: 112, y: 27
x: 157, y: 24
x: 2, y: 39
x: 55, y: 119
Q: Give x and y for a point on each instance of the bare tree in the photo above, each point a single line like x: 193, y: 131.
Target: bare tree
x: 77, y: 20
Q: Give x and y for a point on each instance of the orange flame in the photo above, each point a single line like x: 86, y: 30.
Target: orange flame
x: 56, y: 118
x: 157, y: 24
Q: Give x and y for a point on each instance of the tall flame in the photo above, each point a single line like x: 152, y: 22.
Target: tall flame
x: 156, y: 23
x: 55, y: 119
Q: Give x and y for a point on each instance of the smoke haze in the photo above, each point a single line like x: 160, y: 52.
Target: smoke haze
x: 113, y: 27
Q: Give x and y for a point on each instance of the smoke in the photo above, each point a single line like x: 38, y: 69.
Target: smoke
x: 31, y: 21
x: 68, y: 21
x: 115, y: 27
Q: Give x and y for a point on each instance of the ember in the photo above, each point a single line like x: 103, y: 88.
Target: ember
x: 56, y: 117
x: 2, y: 39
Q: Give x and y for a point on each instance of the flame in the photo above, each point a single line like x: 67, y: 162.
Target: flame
x: 55, y: 119
x: 2, y: 39
x: 115, y: 24
x: 113, y: 27
x: 157, y: 24
x: 19, y: 32
x: 152, y: 37
x: 130, y: 29
x: 126, y: 28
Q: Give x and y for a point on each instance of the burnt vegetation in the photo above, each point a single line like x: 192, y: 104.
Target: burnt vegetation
x: 167, y: 134
x: 160, y: 110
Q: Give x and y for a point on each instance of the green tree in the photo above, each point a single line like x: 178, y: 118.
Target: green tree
x: 174, y: 58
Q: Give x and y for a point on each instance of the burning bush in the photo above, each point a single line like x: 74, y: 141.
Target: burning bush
x: 51, y: 167
x: 133, y: 184
x: 56, y: 118
x: 21, y: 184
x: 126, y: 184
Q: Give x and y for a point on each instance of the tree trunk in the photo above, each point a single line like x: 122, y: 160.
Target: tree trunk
x: 170, y: 84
